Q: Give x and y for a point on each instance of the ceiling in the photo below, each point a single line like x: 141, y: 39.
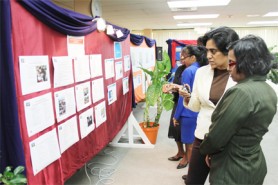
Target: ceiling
x: 155, y: 14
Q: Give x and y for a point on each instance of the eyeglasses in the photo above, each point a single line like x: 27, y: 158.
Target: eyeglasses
x: 212, y: 51
x: 232, y: 63
x: 183, y: 58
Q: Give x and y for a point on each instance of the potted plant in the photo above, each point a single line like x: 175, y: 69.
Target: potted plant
x: 14, y: 177
x: 155, y: 96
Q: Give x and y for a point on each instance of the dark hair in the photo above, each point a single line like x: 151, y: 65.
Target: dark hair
x: 222, y: 37
x: 252, y: 55
x: 200, y: 41
x: 199, y: 52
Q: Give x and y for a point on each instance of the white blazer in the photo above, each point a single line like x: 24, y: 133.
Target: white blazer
x: 199, y: 101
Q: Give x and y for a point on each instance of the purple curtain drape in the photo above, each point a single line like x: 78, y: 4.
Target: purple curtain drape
x: 11, y: 144
x: 66, y: 21
x: 138, y: 39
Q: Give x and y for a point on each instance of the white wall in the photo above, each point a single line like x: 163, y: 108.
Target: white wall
x: 269, y: 34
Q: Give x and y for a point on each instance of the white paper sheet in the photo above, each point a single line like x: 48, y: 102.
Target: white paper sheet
x: 81, y: 68
x: 34, y: 73
x: 111, y: 93
x: 44, y: 150
x: 39, y: 113
x: 125, y: 85
x: 76, y: 46
x: 119, y: 70
x: 96, y: 65
x: 63, y: 72
x: 64, y: 103
x: 68, y: 134
x: 86, y: 121
x: 83, y: 95
x: 100, y: 113
x: 97, y: 89
x: 109, y: 68
x: 126, y: 63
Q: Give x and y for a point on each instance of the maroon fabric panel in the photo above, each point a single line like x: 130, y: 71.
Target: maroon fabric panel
x: 31, y: 37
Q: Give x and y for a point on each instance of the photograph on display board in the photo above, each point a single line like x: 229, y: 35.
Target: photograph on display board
x: 100, y: 113
x: 117, y: 50
x: 86, y: 122
x: 82, y: 93
x: 64, y: 103
x: 112, y: 93
x: 34, y: 73
x: 125, y: 85
x: 63, y: 71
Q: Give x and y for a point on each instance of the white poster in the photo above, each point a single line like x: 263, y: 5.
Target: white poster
x: 100, y: 113
x: 34, y: 73
x: 63, y: 72
x: 76, y: 45
x: 97, y: 89
x: 119, y: 70
x: 111, y: 93
x: 125, y: 85
x: 137, y: 80
x: 96, y: 65
x: 83, y: 95
x: 68, y: 134
x: 86, y: 121
x: 39, y: 113
x: 64, y: 103
x: 109, y: 68
x: 44, y: 150
x: 81, y: 68
x: 126, y: 63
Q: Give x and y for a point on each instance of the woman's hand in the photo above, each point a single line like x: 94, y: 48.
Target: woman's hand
x: 175, y: 122
x: 208, y: 158
x: 184, y: 91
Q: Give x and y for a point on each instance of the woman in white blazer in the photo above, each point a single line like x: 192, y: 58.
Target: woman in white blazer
x: 211, y: 81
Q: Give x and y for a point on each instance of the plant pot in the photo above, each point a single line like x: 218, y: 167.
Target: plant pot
x: 150, y: 132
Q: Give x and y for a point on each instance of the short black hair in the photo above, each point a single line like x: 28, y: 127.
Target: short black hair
x: 222, y: 36
x: 252, y: 55
x: 199, y: 52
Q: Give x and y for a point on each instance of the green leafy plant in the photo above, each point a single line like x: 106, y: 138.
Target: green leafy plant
x: 273, y: 73
x: 154, y: 94
x: 14, y: 177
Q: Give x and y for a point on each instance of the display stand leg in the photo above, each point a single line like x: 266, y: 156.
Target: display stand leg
x: 127, y: 132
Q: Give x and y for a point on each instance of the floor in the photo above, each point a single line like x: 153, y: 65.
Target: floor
x: 145, y: 166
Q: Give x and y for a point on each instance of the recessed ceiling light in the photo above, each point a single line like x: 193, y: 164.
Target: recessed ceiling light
x: 203, y: 16
x: 194, y: 24
x: 197, y: 3
x: 253, y: 15
x: 271, y: 14
x: 263, y: 22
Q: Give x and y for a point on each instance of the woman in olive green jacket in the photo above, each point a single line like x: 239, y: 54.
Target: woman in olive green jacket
x: 242, y: 117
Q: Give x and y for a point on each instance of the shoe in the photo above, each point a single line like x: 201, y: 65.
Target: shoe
x: 174, y: 158
x: 184, y: 177
x: 180, y: 166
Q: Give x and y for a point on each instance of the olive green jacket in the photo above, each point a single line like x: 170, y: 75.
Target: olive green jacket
x: 238, y: 124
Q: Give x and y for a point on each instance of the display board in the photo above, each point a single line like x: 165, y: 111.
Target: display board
x: 141, y: 56
x: 74, y: 94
